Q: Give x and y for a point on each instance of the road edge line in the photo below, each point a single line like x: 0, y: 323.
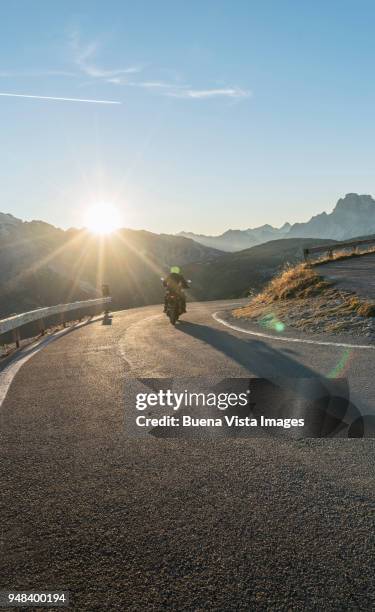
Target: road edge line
x: 10, y: 371
x: 301, y: 340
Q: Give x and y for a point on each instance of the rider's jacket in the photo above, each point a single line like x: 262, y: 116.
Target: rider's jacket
x: 175, y: 282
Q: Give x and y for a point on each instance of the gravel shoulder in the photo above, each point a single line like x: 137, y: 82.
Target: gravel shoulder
x: 327, y: 314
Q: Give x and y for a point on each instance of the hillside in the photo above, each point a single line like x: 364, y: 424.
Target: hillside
x: 42, y: 265
x: 306, y: 298
x: 234, y: 274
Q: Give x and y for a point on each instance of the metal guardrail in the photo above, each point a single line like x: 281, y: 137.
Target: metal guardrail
x: 14, y: 322
x: 329, y: 248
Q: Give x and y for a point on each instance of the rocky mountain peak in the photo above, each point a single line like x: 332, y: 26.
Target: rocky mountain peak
x: 356, y: 203
x: 8, y: 219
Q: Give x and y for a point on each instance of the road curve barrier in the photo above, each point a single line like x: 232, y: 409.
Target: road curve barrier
x: 334, y: 246
x: 15, y: 322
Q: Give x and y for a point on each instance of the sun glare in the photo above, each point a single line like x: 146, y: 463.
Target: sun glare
x: 102, y: 218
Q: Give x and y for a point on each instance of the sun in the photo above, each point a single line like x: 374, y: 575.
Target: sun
x: 102, y: 218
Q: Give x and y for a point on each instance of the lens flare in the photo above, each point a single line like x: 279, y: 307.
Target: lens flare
x: 270, y: 321
x: 342, y: 365
x: 102, y: 218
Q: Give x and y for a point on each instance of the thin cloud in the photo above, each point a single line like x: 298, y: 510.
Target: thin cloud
x: 91, y: 101
x: 101, y: 73
x: 84, y: 58
x: 198, y: 94
x: 144, y: 84
x: 154, y: 85
x: 186, y: 91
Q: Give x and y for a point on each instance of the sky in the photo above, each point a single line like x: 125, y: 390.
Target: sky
x: 230, y: 114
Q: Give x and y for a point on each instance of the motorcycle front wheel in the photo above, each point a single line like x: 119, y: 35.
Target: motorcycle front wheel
x: 173, y: 316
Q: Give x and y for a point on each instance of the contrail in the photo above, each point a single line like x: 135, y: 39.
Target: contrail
x: 13, y: 95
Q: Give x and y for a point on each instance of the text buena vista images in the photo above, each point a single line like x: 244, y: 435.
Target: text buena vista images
x: 222, y: 401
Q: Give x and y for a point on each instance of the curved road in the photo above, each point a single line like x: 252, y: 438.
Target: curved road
x: 355, y: 274
x: 151, y: 524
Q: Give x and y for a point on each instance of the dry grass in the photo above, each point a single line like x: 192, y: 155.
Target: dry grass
x: 299, y: 281
x: 353, y: 304
x: 366, y: 309
x: 300, y: 291
x: 343, y: 254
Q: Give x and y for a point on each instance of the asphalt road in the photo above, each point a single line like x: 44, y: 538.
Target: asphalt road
x: 152, y: 524
x: 354, y: 274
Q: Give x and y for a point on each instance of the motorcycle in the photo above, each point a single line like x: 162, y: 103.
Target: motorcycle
x: 173, y: 305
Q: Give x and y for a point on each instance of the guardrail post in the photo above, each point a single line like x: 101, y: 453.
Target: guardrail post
x: 330, y: 253
x: 106, y: 294
x: 42, y: 329
x: 305, y: 254
x: 17, y: 337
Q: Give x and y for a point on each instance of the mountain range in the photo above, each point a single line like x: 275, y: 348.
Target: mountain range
x: 237, y: 240
x: 353, y: 215
x: 41, y: 265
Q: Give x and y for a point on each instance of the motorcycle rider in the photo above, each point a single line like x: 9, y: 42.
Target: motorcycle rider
x: 175, y: 283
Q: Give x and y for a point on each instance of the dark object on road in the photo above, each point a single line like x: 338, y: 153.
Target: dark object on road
x: 175, y: 300
x: 174, y: 305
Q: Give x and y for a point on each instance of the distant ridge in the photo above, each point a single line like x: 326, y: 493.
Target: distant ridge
x: 41, y: 265
x: 237, y: 240
x: 353, y: 215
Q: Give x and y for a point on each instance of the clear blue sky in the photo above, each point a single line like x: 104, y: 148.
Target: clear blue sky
x: 233, y: 114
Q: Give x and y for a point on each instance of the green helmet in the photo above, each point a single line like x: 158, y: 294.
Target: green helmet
x: 175, y: 270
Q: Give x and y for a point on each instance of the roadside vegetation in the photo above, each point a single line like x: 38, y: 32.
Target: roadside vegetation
x: 342, y: 254
x: 299, y: 297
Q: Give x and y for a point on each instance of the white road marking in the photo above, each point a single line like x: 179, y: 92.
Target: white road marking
x: 9, y: 372
x: 283, y: 339
x: 121, y: 347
